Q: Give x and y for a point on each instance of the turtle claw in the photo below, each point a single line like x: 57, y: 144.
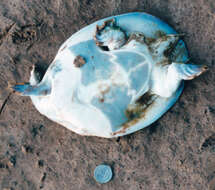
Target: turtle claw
x: 108, y: 36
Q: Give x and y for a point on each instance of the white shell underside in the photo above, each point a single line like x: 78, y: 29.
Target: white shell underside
x: 92, y: 100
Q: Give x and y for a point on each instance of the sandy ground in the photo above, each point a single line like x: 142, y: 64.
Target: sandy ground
x: 176, y: 152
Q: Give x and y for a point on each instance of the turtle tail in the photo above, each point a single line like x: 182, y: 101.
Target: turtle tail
x: 25, y: 89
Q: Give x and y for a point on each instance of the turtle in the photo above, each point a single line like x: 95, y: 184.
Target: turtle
x: 113, y: 77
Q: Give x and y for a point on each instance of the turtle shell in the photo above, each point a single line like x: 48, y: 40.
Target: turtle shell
x: 93, y: 89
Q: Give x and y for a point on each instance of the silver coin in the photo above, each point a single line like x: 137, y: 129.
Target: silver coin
x: 103, y: 173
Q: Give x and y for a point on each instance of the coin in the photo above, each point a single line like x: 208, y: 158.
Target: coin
x: 103, y: 173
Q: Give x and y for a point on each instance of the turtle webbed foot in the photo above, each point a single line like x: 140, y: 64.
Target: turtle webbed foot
x: 109, y: 36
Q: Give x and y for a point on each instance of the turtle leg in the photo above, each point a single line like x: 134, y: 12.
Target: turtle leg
x: 187, y: 71
x: 165, y: 44
x: 173, y: 74
x: 108, y: 36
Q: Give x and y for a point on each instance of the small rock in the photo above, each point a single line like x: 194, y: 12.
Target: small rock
x: 40, y: 163
x: 27, y: 149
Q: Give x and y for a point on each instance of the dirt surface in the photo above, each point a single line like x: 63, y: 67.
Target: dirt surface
x: 176, y: 152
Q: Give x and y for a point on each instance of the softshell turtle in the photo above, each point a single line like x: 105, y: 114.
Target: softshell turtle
x: 113, y: 77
